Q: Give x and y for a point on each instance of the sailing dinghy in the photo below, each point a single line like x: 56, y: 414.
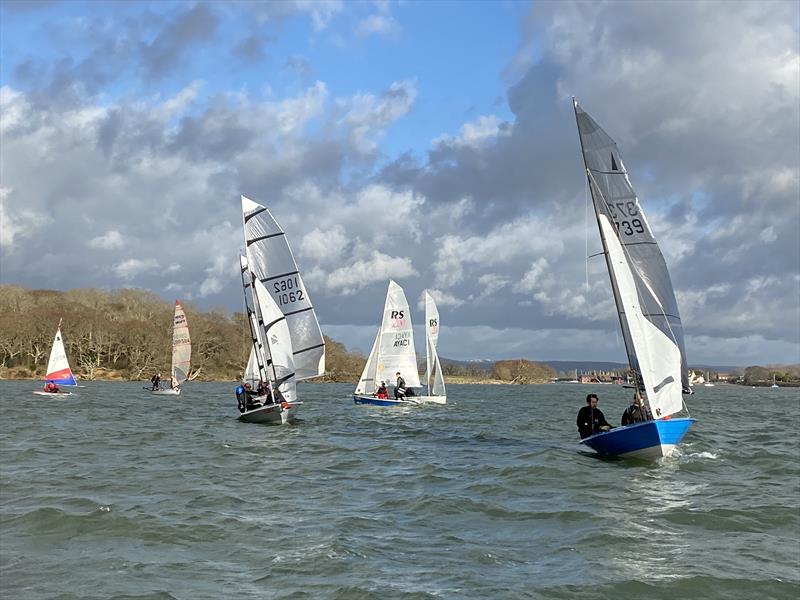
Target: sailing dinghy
x: 645, y: 300
x: 58, y: 369
x: 392, y: 352
x: 434, y: 379
x: 287, y: 340
x: 181, y: 353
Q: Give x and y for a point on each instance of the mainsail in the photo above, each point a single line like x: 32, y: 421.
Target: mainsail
x: 58, y: 370
x: 433, y: 366
x: 646, y: 305
x: 393, y: 349
x: 271, y: 261
x: 181, y: 347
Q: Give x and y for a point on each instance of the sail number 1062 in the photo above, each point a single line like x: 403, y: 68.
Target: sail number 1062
x: 288, y: 291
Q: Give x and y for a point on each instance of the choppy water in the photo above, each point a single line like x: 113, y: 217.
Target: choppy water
x: 117, y: 494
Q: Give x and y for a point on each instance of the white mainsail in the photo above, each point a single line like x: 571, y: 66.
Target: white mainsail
x: 181, y: 346
x: 58, y: 369
x: 433, y: 366
x: 393, y: 350
x: 646, y: 305
x: 270, y: 260
x: 251, y: 372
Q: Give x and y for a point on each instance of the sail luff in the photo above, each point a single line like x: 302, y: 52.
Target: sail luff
x: 258, y: 350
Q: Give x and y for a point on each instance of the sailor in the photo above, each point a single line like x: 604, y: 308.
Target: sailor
x: 400, y: 387
x: 591, y: 419
x: 382, y: 392
x: 250, y: 398
x: 156, y: 381
x: 635, y: 412
x: 241, y: 398
x: 51, y: 387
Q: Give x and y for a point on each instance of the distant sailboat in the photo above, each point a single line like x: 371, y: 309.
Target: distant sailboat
x: 392, y: 352
x: 774, y: 385
x: 434, y: 379
x: 708, y: 381
x: 287, y: 341
x: 645, y: 300
x: 58, y: 369
x: 181, y: 353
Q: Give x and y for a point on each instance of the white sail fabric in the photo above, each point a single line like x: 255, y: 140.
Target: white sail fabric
x: 433, y: 367
x: 270, y: 259
x: 643, y: 285
x: 279, y: 343
x: 251, y: 371
x: 658, y: 356
x: 58, y: 370
x: 396, y: 343
x: 181, y: 346
x: 437, y: 389
x: 367, y: 384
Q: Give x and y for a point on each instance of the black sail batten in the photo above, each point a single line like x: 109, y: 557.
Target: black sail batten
x: 263, y: 237
x: 297, y: 312
x: 256, y: 212
x: 266, y: 279
x: 309, y: 348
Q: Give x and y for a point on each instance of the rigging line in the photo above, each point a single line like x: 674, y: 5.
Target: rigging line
x: 586, y: 229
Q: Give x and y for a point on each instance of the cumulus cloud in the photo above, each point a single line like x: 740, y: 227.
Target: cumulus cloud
x: 130, y: 268
x: 110, y: 240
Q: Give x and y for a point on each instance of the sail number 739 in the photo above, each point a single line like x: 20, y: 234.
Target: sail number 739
x: 287, y: 291
x: 624, y: 215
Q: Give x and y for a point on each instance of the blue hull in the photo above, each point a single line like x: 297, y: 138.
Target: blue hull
x: 651, y: 439
x: 380, y: 401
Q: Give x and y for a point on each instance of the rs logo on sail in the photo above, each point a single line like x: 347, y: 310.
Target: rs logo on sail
x: 397, y: 319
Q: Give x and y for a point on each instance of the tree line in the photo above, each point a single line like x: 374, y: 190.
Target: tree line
x: 127, y: 334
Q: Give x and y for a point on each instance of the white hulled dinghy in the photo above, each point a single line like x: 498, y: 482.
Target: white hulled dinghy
x: 58, y: 370
x: 392, y: 352
x: 272, y: 282
x: 645, y: 300
x: 434, y: 379
x: 181, y: 353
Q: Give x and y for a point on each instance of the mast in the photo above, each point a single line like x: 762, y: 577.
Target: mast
x: 252, y: 317
x: 615, y: 290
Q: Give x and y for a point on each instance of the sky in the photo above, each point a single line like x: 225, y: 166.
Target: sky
x: 433, y: 143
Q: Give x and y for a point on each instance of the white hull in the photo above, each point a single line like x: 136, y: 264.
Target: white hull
x: 271, y: 413
x: 431, y: 399
x: 55, y: 394
x: 167, y: 392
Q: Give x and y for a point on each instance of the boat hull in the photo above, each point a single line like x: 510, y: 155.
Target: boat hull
x: 271, y: 413
x: 383, y: 401
x: 53, y: 394
x: 431, y: 399
x: 648, y: 440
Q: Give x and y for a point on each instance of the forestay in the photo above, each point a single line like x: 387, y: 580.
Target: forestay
x: 58, y: 370
x: 643, y: 292
x: 393, y: 350
x: 271, y: 261
x: 181, y: 346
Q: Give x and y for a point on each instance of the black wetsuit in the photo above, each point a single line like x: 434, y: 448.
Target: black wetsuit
x: 590, y: 420
x: 400, y: 388
x: 633, y: 414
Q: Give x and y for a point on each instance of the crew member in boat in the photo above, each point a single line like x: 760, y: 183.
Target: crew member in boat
x: 50, y: 387
x: 635, y: 413
x: 591, y: 419
x: 263, y: 388
x: 399, y: 387
x: 156, y: 381
x: 382, y: 392
x: 251, y: 398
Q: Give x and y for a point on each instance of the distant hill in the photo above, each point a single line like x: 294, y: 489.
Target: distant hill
x: 569, y: 366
